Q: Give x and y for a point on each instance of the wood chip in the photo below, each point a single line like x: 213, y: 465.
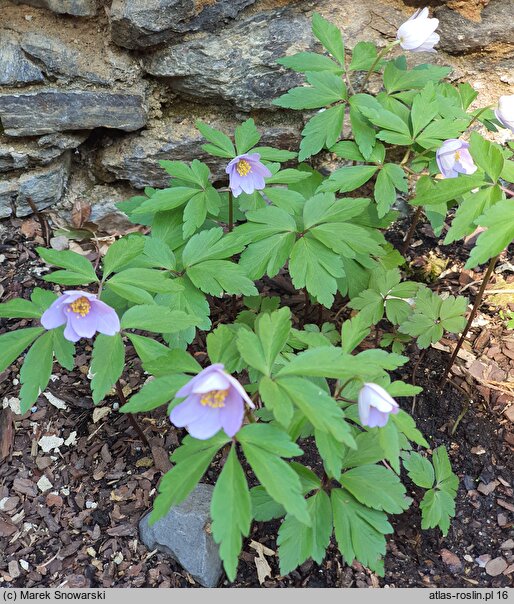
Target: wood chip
x: 6, y: 433
x: 487, y: 489
x: 505, y: 504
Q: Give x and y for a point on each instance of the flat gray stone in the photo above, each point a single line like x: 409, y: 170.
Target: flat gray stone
x: 183, y: 534
x: 20, y: 154
x: 136, y: 24
x: 45, y: 186
x: 79, y: 8
x: 238, y: 64
x: 47, y: 111
x: 135, y: 157
x: 15, y: 68
x: 459, y: 35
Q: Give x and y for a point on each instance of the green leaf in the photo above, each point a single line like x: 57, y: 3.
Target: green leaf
x: 326, y: 88
x: 246, y: 136
x: 277, y: 400
x: 407, y: 426
x: 42, y: 298
x: 264, y: 508
x: 318, y: 407
x: 420, y: 470
x: 359, y: 531
x: 108, y: 361
x: 396, y: 79
x: 155, y: 393
x: 130, y: 292
x: 192, y: 459
x: 218, y: 276
x: 431, y: 193
x: 499, y: 220
x: 273, y: 330
x: 390, y: 178
x: 166, y: 199
x: 222, y: 347
x: 18, y: 308
x: 314, y: 266
x: 270, y: 438
x: 310, y: 62
x: 487, y: 155
x: 217, y: 138
x: 348, y: 178
x: 152, y: 280
x: 364, y: 54
x: 297, y: 542
x: 157, y: 319
x: 277, y: 477
x: 231, y: 512
x: 147, y: 349
x: 275, y: 155
x: 121, y: 252
x: 444, y: 475
x: 36, y: 370
x: 75, y: 263
x: 211, y: 244
x: 437, y: 507
x: 330, y: 36
x: 63, y: 349
x: 353, y: 332
x: 363, y: 131
x: 377, y: 487
x: 172, y: 361
x: 322, y: 130
x: 13, y: 343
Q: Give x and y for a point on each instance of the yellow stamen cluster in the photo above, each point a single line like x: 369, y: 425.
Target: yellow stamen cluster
x: 81, y: 306
x: 214, y: 399
x: 457, y: 155
x: 243, y: 167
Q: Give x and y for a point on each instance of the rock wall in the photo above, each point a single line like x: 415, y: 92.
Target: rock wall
x: 94, y: 92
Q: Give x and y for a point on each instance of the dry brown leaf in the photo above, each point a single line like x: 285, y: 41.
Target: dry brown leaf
x: 80, y: 213
x: 261, y: 564
x: 30, y: 228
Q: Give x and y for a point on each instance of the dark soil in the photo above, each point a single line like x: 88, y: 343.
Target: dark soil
x: 82, y: 532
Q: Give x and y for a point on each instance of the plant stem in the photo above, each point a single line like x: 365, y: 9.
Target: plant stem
x: 509, y: 191
x: 410, y: 234
x: 380, y: 56
x: 475, y: 117
x: 230, y: 212
x: 132, y: 420
x: 474, y: 310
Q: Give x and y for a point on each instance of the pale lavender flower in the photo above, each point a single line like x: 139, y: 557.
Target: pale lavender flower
x: 375, y: 405
x: 246, y: 173
x: 505, y: 111
x: 83, y: 315
x: 453, y: 158
x: 417, y: 34
x: 215, y: 400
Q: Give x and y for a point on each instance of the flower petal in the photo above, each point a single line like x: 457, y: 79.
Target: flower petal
x: 70, y: 334
x: 206, y: 426
x: 85, y: 327
x: 107, y: 320
x: 187, y: 412
x: 232, y: 413
x: 54, y: 316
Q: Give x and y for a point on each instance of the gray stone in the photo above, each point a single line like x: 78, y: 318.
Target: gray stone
x: 136, y: 157
x: 237, y: 65
x: 184, y: 534
x: 45, y: 186
x: 459, y: 35
x: 79, y: 8
x: 47, y: 111
x: 19, y: 154
x: 136, y: 24
x: 15, y: 68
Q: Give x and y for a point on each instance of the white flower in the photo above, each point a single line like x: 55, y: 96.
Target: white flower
x: 505, y: 111
x: 375, y: 405
x: 418, y: 33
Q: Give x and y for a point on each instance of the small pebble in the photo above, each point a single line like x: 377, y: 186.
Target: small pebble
x: 495, y: 567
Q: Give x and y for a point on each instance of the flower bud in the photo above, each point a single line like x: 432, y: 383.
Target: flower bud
x: 375, y: 405
x: 418, y: 33
x: 505, y: 111
x: 453, y: 158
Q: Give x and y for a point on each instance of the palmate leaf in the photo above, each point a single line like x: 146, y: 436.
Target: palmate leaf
x: 364, y: 54
x: 264, y: 446
x: 77, y: 266
x: 221, y: 145
x: 246, y: 136
x: 121, y: 252
x: 396, y: 79
x: 363, y: 131
x: 376, y: 487
x: 231, y: 512
x: 433, y: 193
x: 359, y: 531
x: 325, y: 89
x: 419, y: 469
x: 487, y: 155
x: 316, y: 267
x: 298, y: 542
x: 310, y: 62
x: 390, y: 179
x: 222, y: 347
x: 499, y: 221
x: 322, y: 130
x: 191, y: 459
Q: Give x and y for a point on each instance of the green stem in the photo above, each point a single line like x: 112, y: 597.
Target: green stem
x: 475, y: 117
x: 230, y: 212
x: 380, y: 56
